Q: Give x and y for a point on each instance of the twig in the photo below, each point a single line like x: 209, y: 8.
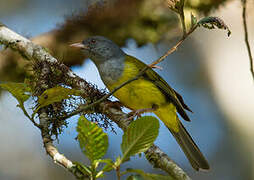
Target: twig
x: 174, y: 48
x: 37, y: 53
x: 31, y: 119
x: 118, y: 173
x: 170, y: 51
x: 182, y: 19
x: 244, y: 2
x: 83, y: 108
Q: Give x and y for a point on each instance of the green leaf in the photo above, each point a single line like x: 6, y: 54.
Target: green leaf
x: 139, y: 136
x: 149, y: 176
x: 212, y: 22
x: 55, y: 94
x: 19, y: 90
x: 193, y: 20
x: 135, y: 177
x: 92, y: 140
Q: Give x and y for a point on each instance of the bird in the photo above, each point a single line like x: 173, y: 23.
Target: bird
x: 148, y: 92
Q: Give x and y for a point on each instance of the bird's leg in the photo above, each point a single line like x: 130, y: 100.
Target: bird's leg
x: 114, y: 104
x: 138, y: 112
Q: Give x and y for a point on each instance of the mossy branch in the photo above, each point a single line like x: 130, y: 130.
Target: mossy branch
x: 38, y: 53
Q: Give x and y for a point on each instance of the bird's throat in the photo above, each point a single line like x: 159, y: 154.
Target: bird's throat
x: 111, y: 70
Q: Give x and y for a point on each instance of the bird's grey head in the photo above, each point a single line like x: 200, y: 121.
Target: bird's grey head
x: 99, y: 49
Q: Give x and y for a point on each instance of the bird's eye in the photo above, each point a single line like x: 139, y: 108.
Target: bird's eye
x: 93, y: 41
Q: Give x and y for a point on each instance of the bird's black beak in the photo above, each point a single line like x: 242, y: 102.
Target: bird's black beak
x: 79, y: 45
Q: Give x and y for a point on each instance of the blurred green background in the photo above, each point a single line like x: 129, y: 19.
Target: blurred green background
x: 210, y: 70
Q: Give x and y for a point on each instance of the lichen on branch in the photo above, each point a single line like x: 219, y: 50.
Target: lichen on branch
x: 37, y: 53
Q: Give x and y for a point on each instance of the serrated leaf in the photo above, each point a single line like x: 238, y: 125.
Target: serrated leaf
x: 19, y: 90
x: 212, y: 22
x: 92, y: 140
x: 149, y: 176
x: 55, y: 94
x: 139, y: 136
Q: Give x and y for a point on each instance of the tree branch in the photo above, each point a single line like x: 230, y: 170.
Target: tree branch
x: 34, y: 52
x: 37, y: 53
x: 244, y: 2
x: 48, y: 143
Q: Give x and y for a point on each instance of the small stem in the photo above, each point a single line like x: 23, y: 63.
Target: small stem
x: 174, y: 48
x: 170, y: 51
x: 30, y: 118
x: 247, y: 38
x: 118, y: 173
x: 182, y: 19
x: 183, y: 23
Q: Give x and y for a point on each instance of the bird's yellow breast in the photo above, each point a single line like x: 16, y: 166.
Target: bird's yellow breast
x: 138, y: 94
x: 142, y: 93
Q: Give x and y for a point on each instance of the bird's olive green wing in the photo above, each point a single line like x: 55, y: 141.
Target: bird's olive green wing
x: 169, y: 92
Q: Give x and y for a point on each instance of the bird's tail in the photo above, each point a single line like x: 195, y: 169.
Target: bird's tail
x: 190, y: 149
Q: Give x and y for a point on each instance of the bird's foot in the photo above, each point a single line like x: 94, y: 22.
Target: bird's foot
x: 114, y: 104
x: 137, y: 113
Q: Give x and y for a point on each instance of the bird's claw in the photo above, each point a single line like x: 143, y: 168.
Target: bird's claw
x: 114, y: 104
x: 137, y: 113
